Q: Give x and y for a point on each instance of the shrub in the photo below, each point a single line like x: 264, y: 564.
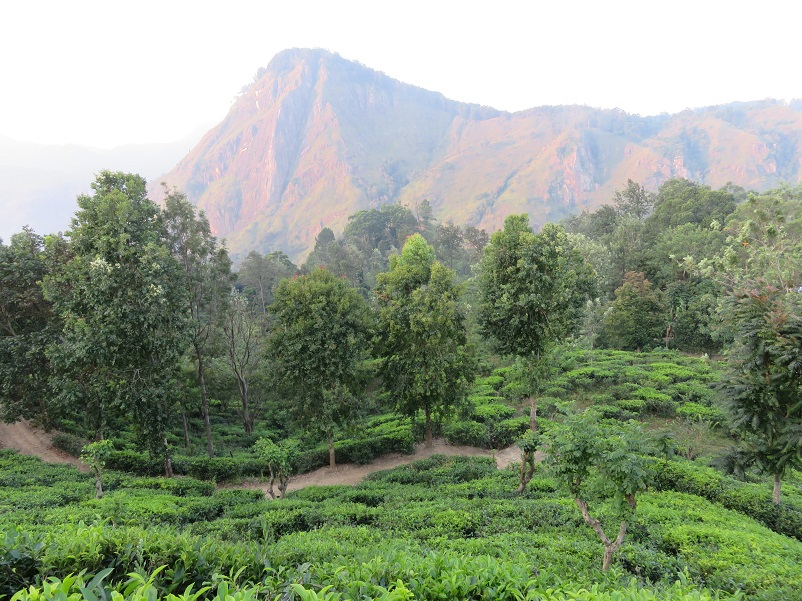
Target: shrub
x: 504, y: 433
x: 692, y: 391
x: 657, y: 402
x: 632, y: 405
x: 495, y: 381
x: 467, y: 432
x: 137, y: 463
x: 696, y: 412
x: 753, y: 500
x: 492, y: 412
x: 69, y: 443
x: 623, y: 391
x: 602, y: 398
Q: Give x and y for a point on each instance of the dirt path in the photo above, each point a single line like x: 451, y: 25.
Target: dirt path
x: 351, y: 474
x: 32, y: 440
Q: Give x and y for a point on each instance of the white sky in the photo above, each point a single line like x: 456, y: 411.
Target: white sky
x: 109, y: 72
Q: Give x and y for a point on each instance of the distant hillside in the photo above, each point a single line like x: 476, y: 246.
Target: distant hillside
x: 317, y: 138
x: 39, y: 183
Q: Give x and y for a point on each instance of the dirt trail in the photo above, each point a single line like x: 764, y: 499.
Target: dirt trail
x: 32, y: 440
x: 351, y: 474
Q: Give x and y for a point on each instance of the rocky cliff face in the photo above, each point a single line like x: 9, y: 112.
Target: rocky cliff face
x: 317, y: 138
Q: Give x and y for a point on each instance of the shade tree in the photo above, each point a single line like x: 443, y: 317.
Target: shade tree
x: 207, y: 280
x: 533, y: 293
x: 124, y: 310
x: 316, y: 350
x: 426, y: 362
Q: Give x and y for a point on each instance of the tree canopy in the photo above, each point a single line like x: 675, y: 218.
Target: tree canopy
x: 426, y: 362
x: 317, y: 348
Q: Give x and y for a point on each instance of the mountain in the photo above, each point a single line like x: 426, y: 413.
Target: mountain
x: 39, y: 183
x: 316, y: 138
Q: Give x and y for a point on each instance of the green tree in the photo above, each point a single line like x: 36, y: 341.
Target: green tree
x: 317, y: 350
x: 95, y: 456
x: 259, y: 275
x: 279, y: 459
x: 763, y: 385
x: 426, y: 362
x: 533, y: 292
x: 600, y: 462
x: 680, y: 201
x: 242, y: 326
x: 207, y: 281
x: 448, y: 242
x: 636, y: 319
x: 337, y: 256
x: 634, y: 200
x: 125, y: 312
x: 27, y: 324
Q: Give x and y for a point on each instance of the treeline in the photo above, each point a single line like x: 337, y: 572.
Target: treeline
x: 135, y: 316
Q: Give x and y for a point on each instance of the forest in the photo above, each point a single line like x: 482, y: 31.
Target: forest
x: 644, y: 358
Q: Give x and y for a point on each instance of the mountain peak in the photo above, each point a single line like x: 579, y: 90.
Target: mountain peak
x: 317, y: 137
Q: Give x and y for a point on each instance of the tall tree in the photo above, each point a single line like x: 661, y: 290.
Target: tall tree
x: 317, y: 349
x: 761, y: 270
x: 243, y: 328
x: 448, y: 241
x: 207, y: 281
x: 763, y: 385
x: 427, y: 364
x: 27, y: 324
x: 124, y: 308
x: 259, y: 275
x: 638, y: 316
x: 534, y: 289
x: 634, y: 200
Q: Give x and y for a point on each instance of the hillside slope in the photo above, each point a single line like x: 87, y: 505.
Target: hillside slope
x: 316, y: 138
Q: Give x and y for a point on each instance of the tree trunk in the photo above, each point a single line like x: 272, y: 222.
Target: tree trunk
x: 610, y: 547
x: 777, y: 489
x: 427, y: 412
x: 270, y: 485
x: 332, y: 463
x: 527, y: 459
x: 185, y: 423
x: 98, y: 485
x: 168, y: 463
x: 207, y: 424
x: 283, y: 482
x: 533, y: 413
x: 247, y: 421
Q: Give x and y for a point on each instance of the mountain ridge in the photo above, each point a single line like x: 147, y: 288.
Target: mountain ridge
x: 316, y: 137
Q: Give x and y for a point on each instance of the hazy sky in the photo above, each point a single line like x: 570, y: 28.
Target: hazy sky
x: 107, y: 72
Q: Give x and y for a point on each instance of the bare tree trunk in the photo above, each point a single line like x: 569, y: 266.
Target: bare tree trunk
x: 427, y: 412
x: 270, y: 485
x: 207, y: 424
x: 283, y: 482
x: 610, y: 547
x: 186, y: 428
x: 527, y: 459
x: 98, y: 485
x: 332, y: 463
x: 247, y: 421
x: 168, y: 463
x: 533, y: 413
x: 775, y: 496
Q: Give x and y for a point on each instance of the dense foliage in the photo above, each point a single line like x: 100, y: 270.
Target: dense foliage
x: 133, y: 337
